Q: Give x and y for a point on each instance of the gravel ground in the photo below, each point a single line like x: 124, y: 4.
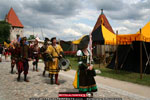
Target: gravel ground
x: 40, y: 86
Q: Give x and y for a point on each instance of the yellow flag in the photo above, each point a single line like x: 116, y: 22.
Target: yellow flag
x: 6, y: 44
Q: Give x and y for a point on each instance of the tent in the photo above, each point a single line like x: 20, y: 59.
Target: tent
x: 102, y: 32
x: 78, y: 41
x: 103, y: 36
x: 129, y: 51
x: 129, y: 57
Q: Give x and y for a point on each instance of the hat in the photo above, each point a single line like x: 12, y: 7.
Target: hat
x: 84, y: 42
x: 53, y: 38
x: 46, y: 39
x: 23, y: 38
x: 17, y: 35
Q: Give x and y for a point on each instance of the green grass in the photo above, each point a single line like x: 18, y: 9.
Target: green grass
x: 119, y: 75
x: 126, y: 76
x: 73, y: 62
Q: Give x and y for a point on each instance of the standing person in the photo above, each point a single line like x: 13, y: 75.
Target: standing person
x: 18, y: 38
x: 6, y: 53
x: 13, y: 54
x: 25, y: 57
x: 1, y: 52
x: 19, y: 63
x: 56, y: 51
x: 85, y: 72
x: 45, y: 56
x: 35, y: 50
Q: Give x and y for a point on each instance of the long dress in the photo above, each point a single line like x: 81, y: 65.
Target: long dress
x: 86, y: 81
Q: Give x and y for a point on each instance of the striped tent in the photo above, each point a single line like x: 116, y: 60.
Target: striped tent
x: 102, y: 32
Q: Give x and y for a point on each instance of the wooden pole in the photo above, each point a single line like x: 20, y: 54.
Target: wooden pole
x: 141, y: 58
x: 104, y: 55
x: 116, y: 66
x: 100, y: 56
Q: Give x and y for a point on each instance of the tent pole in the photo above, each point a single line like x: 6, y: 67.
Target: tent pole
x: 146, y: 56
x: 100, y: 47
x: 116, y: 67
x: 140, y: 58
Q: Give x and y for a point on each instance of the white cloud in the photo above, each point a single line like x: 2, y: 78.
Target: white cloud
x: 83, y: 28
x: 89, y: 14
x: 71, y: 32
x: 73, y: 18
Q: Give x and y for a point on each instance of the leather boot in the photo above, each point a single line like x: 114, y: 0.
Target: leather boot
x: 12, y: 67
x: 51, y: 78
x: 18, y: 79
x: 25, y: 78
x: 56, y: 79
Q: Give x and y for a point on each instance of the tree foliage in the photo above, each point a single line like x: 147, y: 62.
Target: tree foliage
x: 31, y: 37
x: 4, y: 31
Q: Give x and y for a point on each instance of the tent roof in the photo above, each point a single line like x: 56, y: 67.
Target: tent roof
x: 101, y: 35
x: 13, y: 19
x: 109, y: 37
x: 78, y: 41
x: 102, y: 20
x: 145, y: 33
x: 129, y: 38
x: 102, y: 32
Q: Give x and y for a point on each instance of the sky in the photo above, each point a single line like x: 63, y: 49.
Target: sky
x: 71, y: 19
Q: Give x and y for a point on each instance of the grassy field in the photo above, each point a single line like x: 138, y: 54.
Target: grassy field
x: 119, y: 75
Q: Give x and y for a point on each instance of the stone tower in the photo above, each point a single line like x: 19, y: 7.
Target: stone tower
x: 16, y: 25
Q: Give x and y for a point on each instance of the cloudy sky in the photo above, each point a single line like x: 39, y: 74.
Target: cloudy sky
x: 70, y: 19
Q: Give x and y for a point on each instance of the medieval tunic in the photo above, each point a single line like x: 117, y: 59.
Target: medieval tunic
x: 25, y: 54
x: 86, y: 81
x: 19, y: 62
x: 35, y: 54
x: 45, y: 56
x: 54, y: 51
x: 13, y: 55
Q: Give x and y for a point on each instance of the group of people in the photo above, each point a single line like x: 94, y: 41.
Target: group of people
x: 4, y: 51
x: 22, y: 53
x: 51, y: 53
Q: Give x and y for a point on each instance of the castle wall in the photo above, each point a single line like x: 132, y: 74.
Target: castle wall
x: 15, y: 31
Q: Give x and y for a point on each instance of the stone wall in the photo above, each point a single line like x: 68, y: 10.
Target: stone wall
x: 15, y: 31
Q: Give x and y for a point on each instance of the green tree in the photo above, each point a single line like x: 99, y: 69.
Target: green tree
x: 4, y: 31
x: 31, y: 37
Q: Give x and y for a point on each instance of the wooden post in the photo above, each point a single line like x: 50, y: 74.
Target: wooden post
x: 100, y: 56
x: 104, y: 55
x: 116, y: 66
x: 141, y: 66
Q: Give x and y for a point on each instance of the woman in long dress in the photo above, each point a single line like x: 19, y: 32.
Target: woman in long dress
x: 85, y: 73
